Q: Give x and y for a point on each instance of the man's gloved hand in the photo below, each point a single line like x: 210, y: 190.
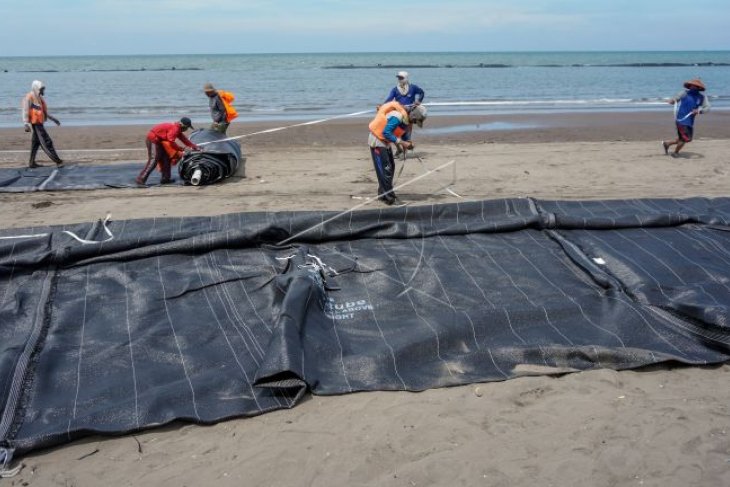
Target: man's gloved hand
x: 405, y: 145
x: 26, y: 127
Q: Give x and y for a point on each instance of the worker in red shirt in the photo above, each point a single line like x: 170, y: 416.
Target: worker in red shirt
x: 167, y: 153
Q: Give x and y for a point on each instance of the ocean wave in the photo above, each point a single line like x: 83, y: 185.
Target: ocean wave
x: 109, y: 70
x: 131, y: 70
x: 502, y: 66
x: 543, y: 102
x: 304, y: 109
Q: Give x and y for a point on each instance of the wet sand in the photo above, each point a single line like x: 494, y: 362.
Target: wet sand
x: 352, y: 132
x: 664, y: 426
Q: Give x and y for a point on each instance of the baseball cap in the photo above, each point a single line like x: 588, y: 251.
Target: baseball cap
x: 402, y: 74
x: 185, y: 122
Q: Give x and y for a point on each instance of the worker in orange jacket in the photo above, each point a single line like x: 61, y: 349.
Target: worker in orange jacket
x: 167, y: 153
x: 388, y: 129
x: 221, y: 108
x: 35, y: 114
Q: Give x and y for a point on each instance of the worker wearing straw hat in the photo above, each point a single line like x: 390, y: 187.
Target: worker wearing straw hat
x: 221, y: 109
x: 688, y: 103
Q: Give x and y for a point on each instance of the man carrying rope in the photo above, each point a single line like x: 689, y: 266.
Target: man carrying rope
x: 688, y: 104
x: 387, y: 128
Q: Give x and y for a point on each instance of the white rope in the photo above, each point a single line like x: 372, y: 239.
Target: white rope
x: 365, y: 203
x: 76, y: 150
x: 286, y: 258
x: 279, y: 129
x: 91, y: 242
x: 11, y: 472
x: 50, y: 178
x: 446, y: 187
x: 320, y: 266
x: 110, y: 235
x: 267, y: 131
x: 36, y: 235
x: 676, y: 111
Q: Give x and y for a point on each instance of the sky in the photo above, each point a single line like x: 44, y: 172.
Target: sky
x: 89, y: 27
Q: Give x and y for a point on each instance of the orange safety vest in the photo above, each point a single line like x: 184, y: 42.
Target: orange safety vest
x: 227, y: 97
x: 173, y: 155
x: 381, y: 120
x: 36, y: 113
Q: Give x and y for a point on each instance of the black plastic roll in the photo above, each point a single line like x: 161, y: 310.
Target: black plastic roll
x: 219, y: 158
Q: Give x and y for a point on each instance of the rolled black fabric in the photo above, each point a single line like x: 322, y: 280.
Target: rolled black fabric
x: 219, y: 159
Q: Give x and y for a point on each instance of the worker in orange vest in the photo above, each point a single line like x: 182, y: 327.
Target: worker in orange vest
x: 167, y: 153
x: 387, y: 129
x: 221, y: 109
x: 35, y: 113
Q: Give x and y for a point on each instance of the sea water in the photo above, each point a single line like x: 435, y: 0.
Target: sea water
x: 97, y: 90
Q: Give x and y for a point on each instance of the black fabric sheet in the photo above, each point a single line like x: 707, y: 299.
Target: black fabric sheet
x: 202, y: 319
x: 220, y: 158
x: 73, y: 177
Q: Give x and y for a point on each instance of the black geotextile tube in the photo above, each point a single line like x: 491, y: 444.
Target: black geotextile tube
x: 219, y: 159
x: 201, y: 319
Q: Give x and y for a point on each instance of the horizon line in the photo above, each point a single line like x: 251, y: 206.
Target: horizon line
x: 390, y: 53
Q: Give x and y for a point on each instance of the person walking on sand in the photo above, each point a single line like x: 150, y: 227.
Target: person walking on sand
x: 407, y: 94
x: 386, y: 129
x: 35, y: 114
x: 688, y: 104
x: 221, y: 108
x: 166, y: 151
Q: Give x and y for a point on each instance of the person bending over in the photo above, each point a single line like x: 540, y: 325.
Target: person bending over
x: 166, y: 151
x: 386, y: 129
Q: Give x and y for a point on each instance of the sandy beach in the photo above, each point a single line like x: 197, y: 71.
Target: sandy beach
x: 665, y: 426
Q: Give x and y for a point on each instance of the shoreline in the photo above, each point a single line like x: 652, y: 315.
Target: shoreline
x: 352, y: 132
x: 436, y: 110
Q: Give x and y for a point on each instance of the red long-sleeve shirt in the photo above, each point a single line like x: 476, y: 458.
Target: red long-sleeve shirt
x: 169, y: 132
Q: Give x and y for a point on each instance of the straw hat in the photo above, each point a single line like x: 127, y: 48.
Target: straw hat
x: 697, y: 83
